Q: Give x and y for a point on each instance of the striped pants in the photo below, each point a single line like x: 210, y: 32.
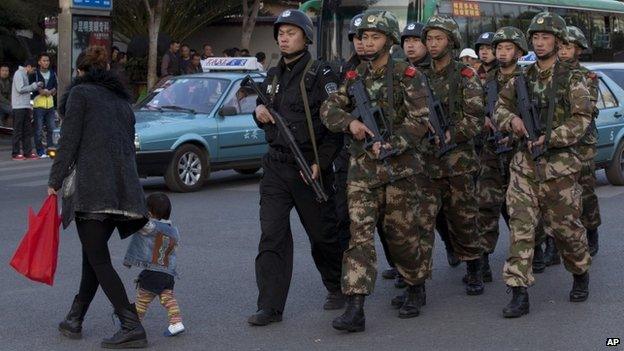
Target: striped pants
x: 167, y: 299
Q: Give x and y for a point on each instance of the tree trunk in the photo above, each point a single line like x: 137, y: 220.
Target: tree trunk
x: 249, y: 22
x: 155, y: 16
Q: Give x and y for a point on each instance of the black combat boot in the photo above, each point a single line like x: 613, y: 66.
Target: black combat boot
x: 398, y: 300
x: 551, y: 254
x: 452, y: 259
x: 519, y: 304
x: 390, y: 273
x: 264, y: 317
x: 352, y: 320
x: 413, y: 302
x: 399, y: 282
x: 71, y: 327
x: 580, y: 287
x: 334, y: 301
x: 474, y: 279
x: 592, y: 241
x: 538, y: 259
x: 485, y: 269
x: 130, y: 335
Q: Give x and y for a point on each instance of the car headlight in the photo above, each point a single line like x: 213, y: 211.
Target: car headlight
x: 137, y: 142
x: 56, y: 136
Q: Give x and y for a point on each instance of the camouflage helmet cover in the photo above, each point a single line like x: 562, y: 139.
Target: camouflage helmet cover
x: 447, y: 25
x: 356, y: 21
x: 381, y: 21
x: 296, y: 18
x: 549, y: 22
x: 576, y: 36
x: 511, y: 34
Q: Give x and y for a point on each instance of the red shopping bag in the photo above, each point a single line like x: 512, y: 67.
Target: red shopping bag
x: 37, y: 253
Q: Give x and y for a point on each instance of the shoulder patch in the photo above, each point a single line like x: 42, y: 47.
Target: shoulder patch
x: 410, y: 71
x: 352, y: 74
x: 591, y: 75
x: 331, y: 88
x: 467, y: 72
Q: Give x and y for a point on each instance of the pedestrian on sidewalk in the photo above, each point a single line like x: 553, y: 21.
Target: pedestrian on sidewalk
x: 44, y: 111
x: 97, y: 166
x: 20, y: 103
x: 5, y: 96
x: 154, y: 249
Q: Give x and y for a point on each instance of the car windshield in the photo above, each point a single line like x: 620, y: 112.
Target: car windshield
x: 616, y: 74
x: 193, y: 95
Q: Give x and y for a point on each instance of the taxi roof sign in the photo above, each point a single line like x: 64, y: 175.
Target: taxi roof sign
x: 230, y: 64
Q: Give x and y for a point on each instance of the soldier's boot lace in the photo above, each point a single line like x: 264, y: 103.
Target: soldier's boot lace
x: 474, y: 278
x: 398, y: 300
x: 580, y: 287
x: 353, y: 319
x: 519, y: 304
x: 551, y: 254
x: 413, y: 301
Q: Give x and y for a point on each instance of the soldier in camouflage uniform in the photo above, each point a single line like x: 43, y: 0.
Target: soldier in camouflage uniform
x: 374, y: 186
x: 452, y: 190
x: 546, y: 187
x: 494, y: 175
x: 590, y: 216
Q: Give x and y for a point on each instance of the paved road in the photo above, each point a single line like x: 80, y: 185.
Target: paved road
x: 217, y: 292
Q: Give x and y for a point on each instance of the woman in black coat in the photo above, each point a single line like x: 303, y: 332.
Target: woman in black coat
x: 96, y: 169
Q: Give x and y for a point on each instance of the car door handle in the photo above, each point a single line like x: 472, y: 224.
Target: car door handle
x: 617, y: 115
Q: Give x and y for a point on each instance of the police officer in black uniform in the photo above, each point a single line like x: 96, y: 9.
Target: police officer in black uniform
x: 296, y: 77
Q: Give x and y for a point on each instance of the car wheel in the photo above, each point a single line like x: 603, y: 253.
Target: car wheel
x: 187, y: 170
x: 615, y: 170
x: 247, y: 171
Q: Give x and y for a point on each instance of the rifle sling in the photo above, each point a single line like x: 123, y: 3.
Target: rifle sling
x: 551, y: 105
x: 390, y: 92
x: 306, y: 106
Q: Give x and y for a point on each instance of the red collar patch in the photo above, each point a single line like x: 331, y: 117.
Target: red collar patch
x: 592, y: 75
x: 351, y: 74
x: 410, y: 71
x: 467, y: 72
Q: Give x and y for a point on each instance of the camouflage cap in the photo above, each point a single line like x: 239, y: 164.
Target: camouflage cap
x: 576, y: 36
x: 549, y: 22
x: 413, y: 29
x: 446, y: 24
x: 484, y: 39
x: 381, y: 21
x: 356, y: 21
x: 513, y: 35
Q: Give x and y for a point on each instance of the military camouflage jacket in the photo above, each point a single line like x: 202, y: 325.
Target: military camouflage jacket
x: 587, y: 147
x: 408, y: 124
x: 572, y: 115
x: 459, y: 85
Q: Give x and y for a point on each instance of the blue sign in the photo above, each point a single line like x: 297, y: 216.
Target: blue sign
x: 93, y: 4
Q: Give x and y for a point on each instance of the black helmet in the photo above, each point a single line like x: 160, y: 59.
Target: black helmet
x: 356, y: 21
x: 413, y: 29
x: 296, y: 18
x: 484, y: 39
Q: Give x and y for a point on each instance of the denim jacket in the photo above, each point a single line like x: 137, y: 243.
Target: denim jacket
x: 154, y: 247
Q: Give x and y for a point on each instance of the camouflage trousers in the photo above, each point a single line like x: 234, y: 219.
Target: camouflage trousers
x: 491, y: 187
x: 557, y: 202
x: 455, y: 196
x: 590, y: 216
x: 408, y: 243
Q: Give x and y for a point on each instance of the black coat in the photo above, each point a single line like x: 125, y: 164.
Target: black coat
x: 97, y: 136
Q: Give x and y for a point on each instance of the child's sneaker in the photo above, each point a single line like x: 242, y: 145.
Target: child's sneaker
x: 33, y: 156
x: 174, y: 329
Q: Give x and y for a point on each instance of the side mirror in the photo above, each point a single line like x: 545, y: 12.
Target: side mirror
x: 228, y: 111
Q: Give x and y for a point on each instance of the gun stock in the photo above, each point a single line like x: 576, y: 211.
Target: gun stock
x: 439, y: 121
x: 529, y: 115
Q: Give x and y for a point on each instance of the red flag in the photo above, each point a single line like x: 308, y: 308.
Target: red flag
x: 37, y: 253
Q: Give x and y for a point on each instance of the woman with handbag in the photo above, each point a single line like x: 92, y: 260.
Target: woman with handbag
x: 96, y: 169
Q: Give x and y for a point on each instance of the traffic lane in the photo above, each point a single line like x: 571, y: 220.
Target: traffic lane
x: 217, y: 290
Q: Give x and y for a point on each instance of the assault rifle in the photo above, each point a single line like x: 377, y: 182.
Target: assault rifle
x: 491, y: 91
x: 439, y: 121
x: 283, y: 128
x: 529, y: 115
x: 369, y: 115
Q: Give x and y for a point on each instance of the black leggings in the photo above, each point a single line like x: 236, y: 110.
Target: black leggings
x: 97, y: 269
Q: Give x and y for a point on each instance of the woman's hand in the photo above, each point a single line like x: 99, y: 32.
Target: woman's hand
x: 51, y: 191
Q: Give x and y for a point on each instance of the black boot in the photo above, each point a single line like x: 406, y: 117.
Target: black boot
x: 398, y: 300
x: 399, y: 282
x: 592, y: 241
x: 453, y: 261
x: 485, y: 269
x: 413, y: 302
x: 264, y: 317
x: 71, y: 327
x: 474, y: 279
x: 580, y: 287
x: 352, y: 320
x: 538, y: 259
x: 519, y: 304
x: 334, y: 301
x: 130, y: 335
x: 390, y: 273
x: 551, y: 254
